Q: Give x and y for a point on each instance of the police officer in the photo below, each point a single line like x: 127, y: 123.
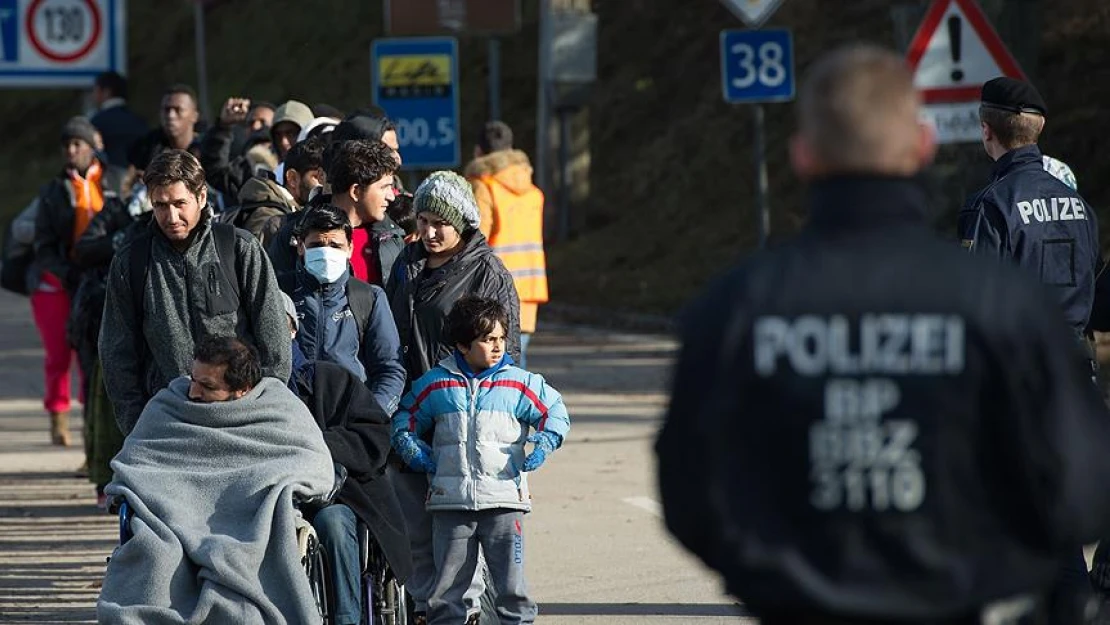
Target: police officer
x: 1025, y: 213
x: 866, y: 424
x: 1031, y: 216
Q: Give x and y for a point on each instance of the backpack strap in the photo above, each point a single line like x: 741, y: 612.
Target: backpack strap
x: 360, y: 298
x: 224, y: 237
x: 137, y: 274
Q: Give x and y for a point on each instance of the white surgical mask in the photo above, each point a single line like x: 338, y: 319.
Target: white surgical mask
x: 326, y: 264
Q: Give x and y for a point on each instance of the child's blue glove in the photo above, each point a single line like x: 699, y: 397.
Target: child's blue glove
x: 415, y: 452
x: 543, y: 443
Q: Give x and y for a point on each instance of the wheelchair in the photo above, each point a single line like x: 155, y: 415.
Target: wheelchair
x: 384, y: 595
x: 315, y: 563
x: 383, y: 598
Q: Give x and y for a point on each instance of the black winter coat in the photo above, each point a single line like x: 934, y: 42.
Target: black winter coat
x: 225, y: 173
x: 421, y: 300
x: 356, y: 430
x: 108, y: 231
x: 55, y: 221
x: 1029, y: 217
x: 869, y: 423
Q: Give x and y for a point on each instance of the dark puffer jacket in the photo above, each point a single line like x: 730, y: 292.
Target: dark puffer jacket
x: 421, y: 300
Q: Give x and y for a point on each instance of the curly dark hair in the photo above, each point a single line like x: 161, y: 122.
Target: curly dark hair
x: 244, y: 369
x: 172, y: 166
x: 323, y: 218
x: 360, y: 162
x: 473, y: 317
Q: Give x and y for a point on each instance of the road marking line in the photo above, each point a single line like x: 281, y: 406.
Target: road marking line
x: 645, y: 503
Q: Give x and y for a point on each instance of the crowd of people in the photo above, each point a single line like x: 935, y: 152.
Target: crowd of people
x: 868, y: 423
x: 207, y: 278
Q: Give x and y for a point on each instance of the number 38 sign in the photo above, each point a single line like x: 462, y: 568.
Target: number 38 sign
x: 60, y: 43
x: 757, y: 65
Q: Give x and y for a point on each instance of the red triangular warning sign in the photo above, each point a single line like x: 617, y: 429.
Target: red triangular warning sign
x: 955, y: 51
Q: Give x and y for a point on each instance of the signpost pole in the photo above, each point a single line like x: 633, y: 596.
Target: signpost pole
x: 202, y: 61
x: 757, y: 66
x: 543, y: 102
x: 761, y: 186
x: 494, y: 79
x: 564, y: 174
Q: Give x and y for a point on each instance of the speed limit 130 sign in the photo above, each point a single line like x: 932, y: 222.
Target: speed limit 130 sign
x: 60, y: 43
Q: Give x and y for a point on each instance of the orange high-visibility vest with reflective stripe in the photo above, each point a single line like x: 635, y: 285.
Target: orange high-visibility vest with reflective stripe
x: 518, y: 241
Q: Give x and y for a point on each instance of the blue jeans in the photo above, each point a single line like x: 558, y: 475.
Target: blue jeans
x: 337, y: 527
x: 525, y: 339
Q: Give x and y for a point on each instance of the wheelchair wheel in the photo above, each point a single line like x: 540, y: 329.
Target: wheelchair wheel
x: 316, y: 568
x: 387, y: 600
x: 394, y: 610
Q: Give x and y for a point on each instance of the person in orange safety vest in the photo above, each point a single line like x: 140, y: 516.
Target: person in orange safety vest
x: 511, y: 210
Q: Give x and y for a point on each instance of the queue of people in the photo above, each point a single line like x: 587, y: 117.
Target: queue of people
x: 214, y: 279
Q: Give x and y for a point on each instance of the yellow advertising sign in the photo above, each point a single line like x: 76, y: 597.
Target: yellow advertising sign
x: 415, y: 70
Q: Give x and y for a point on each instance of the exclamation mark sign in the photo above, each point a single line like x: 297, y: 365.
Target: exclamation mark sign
x: 955, y: 30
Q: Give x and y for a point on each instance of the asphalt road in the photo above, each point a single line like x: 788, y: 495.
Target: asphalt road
x: 596, y: 550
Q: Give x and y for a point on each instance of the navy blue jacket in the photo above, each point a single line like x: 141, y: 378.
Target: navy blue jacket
x: 120, y: 128
x: 328, y: 332
x: 1026, y: 214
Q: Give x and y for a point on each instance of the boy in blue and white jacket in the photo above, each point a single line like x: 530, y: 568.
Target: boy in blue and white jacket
x: 481, y: 407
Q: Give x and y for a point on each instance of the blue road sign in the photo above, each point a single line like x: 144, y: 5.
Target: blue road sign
x: 757, y: 66
x: 416, y: 82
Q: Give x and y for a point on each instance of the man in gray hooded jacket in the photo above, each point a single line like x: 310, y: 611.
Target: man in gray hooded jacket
x: 189, y: 291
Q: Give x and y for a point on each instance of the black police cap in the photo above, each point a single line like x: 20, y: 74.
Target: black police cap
x: 1016, y: 96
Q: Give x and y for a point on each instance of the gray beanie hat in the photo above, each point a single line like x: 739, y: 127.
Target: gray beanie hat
x: 79, y: 128
x: 448, y: 195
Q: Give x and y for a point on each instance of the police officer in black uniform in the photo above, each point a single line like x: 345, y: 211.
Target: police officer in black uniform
x: 867, y: 424
x: 1025, y: 213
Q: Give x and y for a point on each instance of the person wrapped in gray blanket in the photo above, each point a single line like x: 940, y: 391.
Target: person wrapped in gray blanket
x: 212, y: 471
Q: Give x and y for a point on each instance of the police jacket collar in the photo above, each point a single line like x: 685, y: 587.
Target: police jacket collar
x: 1016, y: 158
x: 855, y: 202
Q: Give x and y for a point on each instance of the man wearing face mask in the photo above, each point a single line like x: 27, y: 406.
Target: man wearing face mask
x: 343, y: 319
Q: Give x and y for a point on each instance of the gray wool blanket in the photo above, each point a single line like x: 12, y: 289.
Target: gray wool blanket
x: 212, y: 487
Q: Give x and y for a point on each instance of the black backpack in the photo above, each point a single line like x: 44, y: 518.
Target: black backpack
x: 238, y: 215
x: 360, y: 298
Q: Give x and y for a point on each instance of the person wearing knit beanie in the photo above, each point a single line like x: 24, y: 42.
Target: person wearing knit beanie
x: 448, y: 195
x: 80, y: 128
